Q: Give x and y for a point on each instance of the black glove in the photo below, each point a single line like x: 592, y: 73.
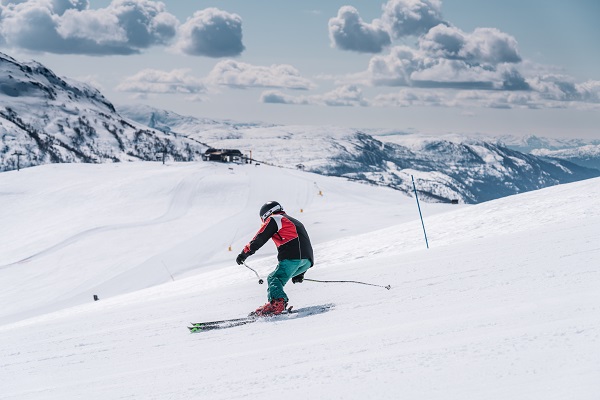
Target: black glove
x: 298, y: 278
x: 241, y: 258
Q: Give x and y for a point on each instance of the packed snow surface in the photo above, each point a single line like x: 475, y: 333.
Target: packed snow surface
x: 503, y: 305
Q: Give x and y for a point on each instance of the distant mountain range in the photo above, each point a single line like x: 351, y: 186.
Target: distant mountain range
x: 48, y: 119
x: 582, y: 152
x: 468, y: 170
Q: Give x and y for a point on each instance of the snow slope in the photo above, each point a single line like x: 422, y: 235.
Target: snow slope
x: 110, y: 229
x: 505, y: 303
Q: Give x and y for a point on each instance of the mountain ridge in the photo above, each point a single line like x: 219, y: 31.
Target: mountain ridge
x: 49, y: 119
x: 470, y: 171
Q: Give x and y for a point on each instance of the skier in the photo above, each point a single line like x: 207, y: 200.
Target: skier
x: 295, y: 254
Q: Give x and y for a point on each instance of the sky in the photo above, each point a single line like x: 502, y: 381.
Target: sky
x: 417, y: 66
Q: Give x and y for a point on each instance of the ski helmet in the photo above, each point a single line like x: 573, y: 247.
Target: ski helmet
x: 269, y: 208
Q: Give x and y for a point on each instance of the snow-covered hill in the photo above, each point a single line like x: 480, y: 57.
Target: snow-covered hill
x: 151, y: 221
x: 584, y: 152
x: 504, y: 304
x: 49, y: 119
x: 587, y: 155
x: 468, y: 170
x: 531, y: 143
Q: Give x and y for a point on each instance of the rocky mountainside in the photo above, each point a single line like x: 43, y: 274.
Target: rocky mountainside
x: 48, y: 119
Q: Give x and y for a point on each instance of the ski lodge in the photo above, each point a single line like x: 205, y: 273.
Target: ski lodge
x: 223, y: 155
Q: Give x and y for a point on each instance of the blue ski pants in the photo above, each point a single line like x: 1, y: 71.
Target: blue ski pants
x: 286, y: 270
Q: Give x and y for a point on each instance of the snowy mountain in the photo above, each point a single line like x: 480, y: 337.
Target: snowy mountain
x: 49, y: 119
x: 468, y: 170
x: 586, y: 155
x: 503, y: 305
x: 584, y: 152
x: 531, y: 143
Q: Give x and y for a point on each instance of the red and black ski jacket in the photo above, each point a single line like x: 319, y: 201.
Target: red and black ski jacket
x: 289, y: 236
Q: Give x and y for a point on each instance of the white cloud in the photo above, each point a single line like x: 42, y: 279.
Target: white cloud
x: 482, y: 67
x: 564, y: 88
x: 346, y: 96
x: 412, y: 17
x: 278, y: 97
x: 154, y: 81
x: 91, y: 25
x: 71, y: 27
x: 589, y: 91
x: 487, y: 46
x: 123, y: 27
x: 444, y: 55
x: 400, y: 18
x: 212, y: 33
x: 410, y: 97
x: 397, y: 67
x: 242, y: 75
x: 348, y: 31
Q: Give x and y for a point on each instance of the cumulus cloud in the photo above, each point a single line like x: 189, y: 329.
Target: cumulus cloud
x: 348, y: 95
x: 589, y: 91
x: 278, y: 97
x: 444, y: 56
x: 444, y: 68
x: 396, y: 68
x: 71, y: 27
x: 343, y: 96
x: 483, y: 46
x: 242, y: 75
x: 400, y: 18
x: 123, y: 27
x: 412, y: 17
x: 563, y: 88
x: 347, y: 31
x: 478, y: 68
x: 410, y: 97
x: 212, y: 33
x: 154, y: 81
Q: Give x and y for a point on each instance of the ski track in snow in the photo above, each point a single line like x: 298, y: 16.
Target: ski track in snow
x: 504, y: 305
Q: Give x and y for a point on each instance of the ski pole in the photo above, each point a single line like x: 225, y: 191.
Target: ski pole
x: 260, y: 280
x: 419, y: 206
x: 388, y: 287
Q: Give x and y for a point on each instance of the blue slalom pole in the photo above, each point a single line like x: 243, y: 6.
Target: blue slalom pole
x: 420, y: 215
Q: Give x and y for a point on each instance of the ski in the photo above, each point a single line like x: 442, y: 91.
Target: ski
x: 230, y: 323
x: 208, y: 326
